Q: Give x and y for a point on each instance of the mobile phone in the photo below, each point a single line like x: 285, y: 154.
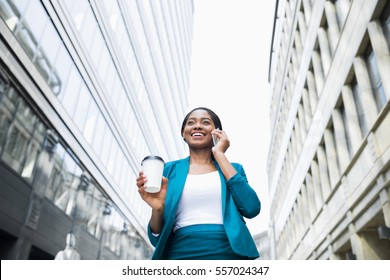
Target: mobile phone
x: 215, y: 139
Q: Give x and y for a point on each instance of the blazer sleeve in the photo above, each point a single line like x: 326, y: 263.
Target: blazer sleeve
x: 245, y: 198
x: 153, y: 238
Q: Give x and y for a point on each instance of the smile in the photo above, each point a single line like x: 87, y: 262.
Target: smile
x: 197, y: 134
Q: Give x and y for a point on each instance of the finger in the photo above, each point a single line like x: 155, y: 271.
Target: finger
x: 142, y: 192
x: 141, y: 181
x: 223, y: 133
x: 164, y: 183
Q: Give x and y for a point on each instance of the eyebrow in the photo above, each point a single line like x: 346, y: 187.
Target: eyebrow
x: 194, y: 118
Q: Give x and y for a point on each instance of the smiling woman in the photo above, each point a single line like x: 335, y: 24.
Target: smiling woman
x: 203, y: 199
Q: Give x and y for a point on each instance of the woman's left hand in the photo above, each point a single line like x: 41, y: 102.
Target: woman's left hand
x: 223, y: 141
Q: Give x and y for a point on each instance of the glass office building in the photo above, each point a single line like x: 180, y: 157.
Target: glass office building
x: 329, y: 158
x: 88, y: 88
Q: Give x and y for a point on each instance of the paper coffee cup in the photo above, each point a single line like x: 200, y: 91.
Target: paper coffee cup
x: 153, y: 167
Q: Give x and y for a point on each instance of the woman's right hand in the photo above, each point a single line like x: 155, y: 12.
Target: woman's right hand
x: 154, y: 200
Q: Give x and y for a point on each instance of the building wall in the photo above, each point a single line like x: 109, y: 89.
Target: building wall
x: 263, y: 244
x: 328, y: 161
x: 87, y: 90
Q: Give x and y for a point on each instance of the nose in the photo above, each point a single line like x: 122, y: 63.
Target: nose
x: 198, y: 126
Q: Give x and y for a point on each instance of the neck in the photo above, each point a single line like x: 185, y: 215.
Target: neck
x: 201, y: 162
x: 200, y: 157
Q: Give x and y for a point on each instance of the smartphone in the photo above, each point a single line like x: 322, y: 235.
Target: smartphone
x: 215, y: 139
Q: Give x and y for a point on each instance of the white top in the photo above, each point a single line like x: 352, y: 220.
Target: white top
x: 201, y: 201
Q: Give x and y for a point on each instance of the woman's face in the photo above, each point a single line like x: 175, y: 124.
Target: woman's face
x: 197, y: 129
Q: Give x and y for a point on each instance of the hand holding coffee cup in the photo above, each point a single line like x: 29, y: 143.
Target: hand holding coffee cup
x: 153, y: 167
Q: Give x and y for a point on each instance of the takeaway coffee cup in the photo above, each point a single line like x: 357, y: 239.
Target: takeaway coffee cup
x: 153, y: 167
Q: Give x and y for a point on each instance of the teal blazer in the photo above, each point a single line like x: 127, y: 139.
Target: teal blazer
x: 238, y: 200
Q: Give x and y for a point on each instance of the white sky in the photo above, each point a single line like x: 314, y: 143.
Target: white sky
x: 229, y: 74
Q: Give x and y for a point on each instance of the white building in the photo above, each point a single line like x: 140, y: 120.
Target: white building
x: 329, y: 158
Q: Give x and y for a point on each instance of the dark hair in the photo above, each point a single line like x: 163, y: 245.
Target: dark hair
x: 214, y: 117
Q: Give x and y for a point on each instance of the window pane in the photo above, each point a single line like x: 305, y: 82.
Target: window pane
x: 64, y: 198
x: 99, y: 134
x: 33, y: 151
x: 36, y: 18
x: 82, y: 107
x: 95, y: 52
x: 5, y: 113
x: 72, y: 91
x: 114, y: 149
x: 49, y: 47
x: 387, y: 28
x: 347, y: 132
x: 376, y: 81
x: 107, y: 146
x: 50, y: 43
x: 62, y: 67
x: 21, y: 5
x: 89, y: 29
x: 385, y: 19
x: 359, y: 108
x: 90, y: 123
x: 15, y: 148
x: 78, y: 11
x: 5, y: 123
x: 59, y: 175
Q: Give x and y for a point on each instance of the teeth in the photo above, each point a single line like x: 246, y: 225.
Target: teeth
x: 197, y: 134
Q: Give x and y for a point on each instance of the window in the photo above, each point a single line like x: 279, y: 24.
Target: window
x: 385, y: 19
x: 359, y: 107
x: 72, y: 91
x: 347, y: 132
x: 5, y: 122
x: 375, y: 78
x: 82, y: 105
x: 91, y: 121
x: 17, y: 138
x: 342, y: 7
x: 58, y: 175
x: 37, y: 138
x: 5, y: 118
x: 107, y: 145
x: 63, y: 64
x: 35, y: 19
x: 100, y: 133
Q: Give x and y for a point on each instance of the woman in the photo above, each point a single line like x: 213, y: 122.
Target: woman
x: 198, y: 214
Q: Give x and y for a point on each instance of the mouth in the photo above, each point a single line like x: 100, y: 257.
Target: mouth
x: 197, y: 134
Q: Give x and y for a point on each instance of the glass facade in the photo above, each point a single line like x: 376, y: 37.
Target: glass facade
x: 110, y: 81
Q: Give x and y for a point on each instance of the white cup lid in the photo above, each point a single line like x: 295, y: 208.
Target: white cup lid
x: 152, y: 157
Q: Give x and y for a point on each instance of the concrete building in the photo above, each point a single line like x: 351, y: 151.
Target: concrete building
x: 329, y: 158
x: 263, y: 245
x: 88, y: 88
